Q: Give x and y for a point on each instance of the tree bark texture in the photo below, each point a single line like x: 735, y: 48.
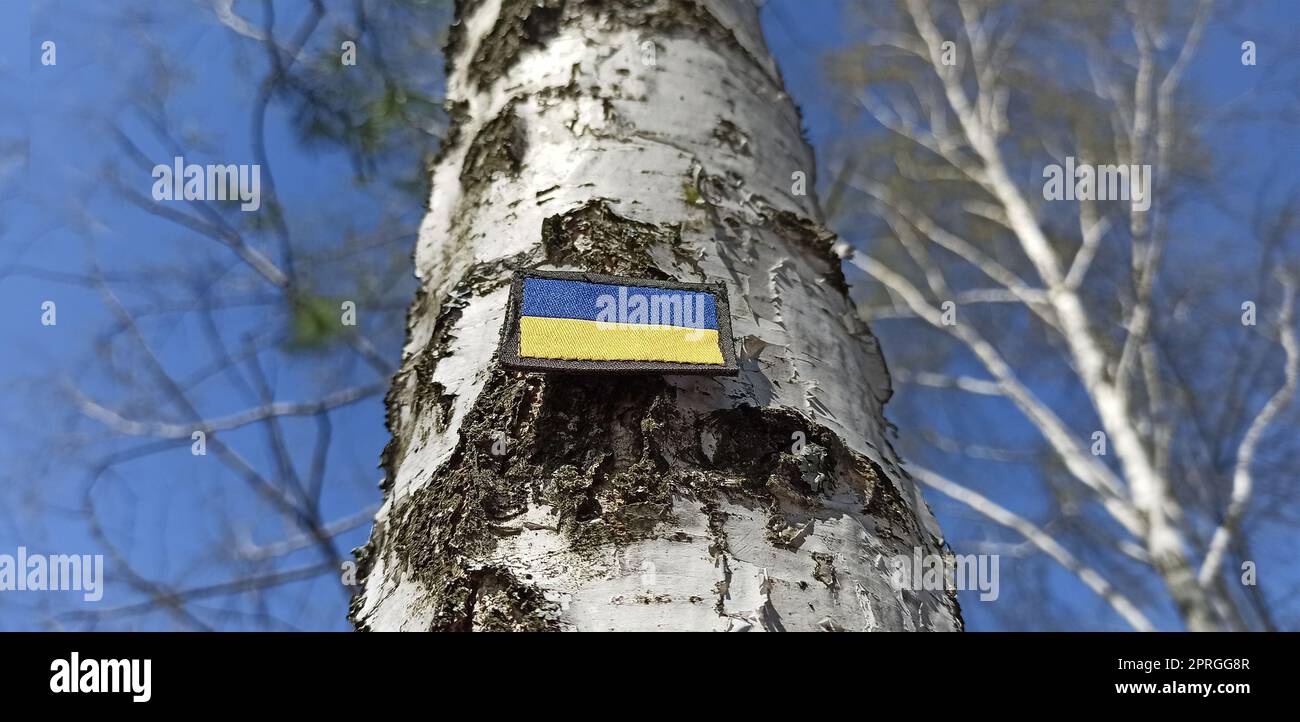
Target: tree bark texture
x: 650, y: 138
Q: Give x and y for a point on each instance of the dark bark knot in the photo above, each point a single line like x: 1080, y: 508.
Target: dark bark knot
x: 730, y: 136
x: 497, y: 149
x: 530, y: 24
x: 594, y: 238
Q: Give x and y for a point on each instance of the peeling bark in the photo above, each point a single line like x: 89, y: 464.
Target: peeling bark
x: 771, y: 501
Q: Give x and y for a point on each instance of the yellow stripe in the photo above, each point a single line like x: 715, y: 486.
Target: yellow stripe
x: 576, y: 339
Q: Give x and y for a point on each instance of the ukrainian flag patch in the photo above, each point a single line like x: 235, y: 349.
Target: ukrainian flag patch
x: 592, y: 323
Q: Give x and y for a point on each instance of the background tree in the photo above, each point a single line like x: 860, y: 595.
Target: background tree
x: 1116, y: 331
x: 206, y: 384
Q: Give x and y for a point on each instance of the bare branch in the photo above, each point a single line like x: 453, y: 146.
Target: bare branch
x: 1242, y: 481
x: 165, y: 430
x: 1040, y: 539
x: 1086, y: 468
x: 1093, y: 230
x: 941, y: 381
x: 253, y: 552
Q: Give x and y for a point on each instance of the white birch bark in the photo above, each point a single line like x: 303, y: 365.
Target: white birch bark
x: 650, y: 138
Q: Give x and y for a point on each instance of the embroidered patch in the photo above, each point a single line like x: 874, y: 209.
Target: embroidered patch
x: 591, y: 323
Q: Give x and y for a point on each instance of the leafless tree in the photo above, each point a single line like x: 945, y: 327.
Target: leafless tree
x: 1088, y: 318
x: 188, y: 377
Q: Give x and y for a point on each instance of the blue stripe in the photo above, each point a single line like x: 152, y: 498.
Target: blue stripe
x: 554, y: 298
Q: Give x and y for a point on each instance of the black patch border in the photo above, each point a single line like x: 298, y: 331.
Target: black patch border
x: 509, y: 350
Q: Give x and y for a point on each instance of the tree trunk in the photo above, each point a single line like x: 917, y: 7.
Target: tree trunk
x: 650, y: 138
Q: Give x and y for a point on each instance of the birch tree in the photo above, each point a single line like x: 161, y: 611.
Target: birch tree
x: 977, y: 101
x: 650, y: 138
